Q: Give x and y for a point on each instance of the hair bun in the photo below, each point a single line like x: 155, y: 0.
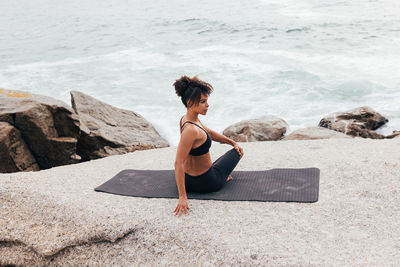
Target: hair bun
x: 182, y: 84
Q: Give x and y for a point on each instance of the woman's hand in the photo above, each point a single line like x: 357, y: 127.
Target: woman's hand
x: 182, y: 206
x: 238, y: 149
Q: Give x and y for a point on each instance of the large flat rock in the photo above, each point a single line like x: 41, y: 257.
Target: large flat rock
x: 55, y: 218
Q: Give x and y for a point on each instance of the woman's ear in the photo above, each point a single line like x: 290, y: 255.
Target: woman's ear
x: 189, y: 104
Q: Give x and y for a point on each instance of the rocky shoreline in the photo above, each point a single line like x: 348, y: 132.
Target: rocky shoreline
x: 39, y: 132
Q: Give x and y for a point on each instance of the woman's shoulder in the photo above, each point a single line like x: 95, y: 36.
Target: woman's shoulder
x: 189, y: 132
x: 188, y: 125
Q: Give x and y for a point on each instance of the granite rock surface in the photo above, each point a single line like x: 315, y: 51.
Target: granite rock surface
x: 46, y: 132
x: 107, y: 130
x: 55, y: 218
x: 48, y: 126
x: 14, y: 153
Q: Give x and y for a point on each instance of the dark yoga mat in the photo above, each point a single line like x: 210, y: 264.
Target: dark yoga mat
x: 289, y: 185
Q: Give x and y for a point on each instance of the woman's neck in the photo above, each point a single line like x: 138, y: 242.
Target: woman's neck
x: 192, y: 116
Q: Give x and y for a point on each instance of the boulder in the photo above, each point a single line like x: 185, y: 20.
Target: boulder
x: 265, y: 128
x: 107, y: 130
x: 14, y: 153
x: 48, y: 126
x: 362, y: 121
x: 312, y: 133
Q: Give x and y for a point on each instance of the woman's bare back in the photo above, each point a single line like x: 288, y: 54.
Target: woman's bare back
x: 196, y: 165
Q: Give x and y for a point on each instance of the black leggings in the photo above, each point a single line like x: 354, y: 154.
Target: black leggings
x: 215, y: 178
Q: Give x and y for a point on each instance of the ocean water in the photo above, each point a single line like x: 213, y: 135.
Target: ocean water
x: 297, y: 59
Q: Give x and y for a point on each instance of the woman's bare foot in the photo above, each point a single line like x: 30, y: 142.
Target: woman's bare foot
x: 229, y: 178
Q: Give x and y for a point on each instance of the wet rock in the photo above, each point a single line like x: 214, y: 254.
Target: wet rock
x: 15, y: 155
x: 395, y: 134
x: 362, y: 121
x: 312, y: 133
x: 266, y: 128
x: 107, y: 130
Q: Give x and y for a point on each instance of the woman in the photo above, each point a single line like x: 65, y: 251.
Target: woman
x: 194, y: 171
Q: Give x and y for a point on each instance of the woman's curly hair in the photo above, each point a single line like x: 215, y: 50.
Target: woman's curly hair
x: 191, y: 89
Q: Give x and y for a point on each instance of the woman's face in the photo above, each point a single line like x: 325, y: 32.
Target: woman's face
x: 202, y: 107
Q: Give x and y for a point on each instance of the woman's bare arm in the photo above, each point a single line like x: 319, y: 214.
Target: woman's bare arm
x: 188, y: 137
x: 223, y: 139
x: 219, y: 137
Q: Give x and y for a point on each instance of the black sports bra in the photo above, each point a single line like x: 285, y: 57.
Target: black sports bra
x: 204, y: 148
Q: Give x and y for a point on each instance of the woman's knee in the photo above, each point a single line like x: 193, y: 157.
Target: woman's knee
x: 235, y: 153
